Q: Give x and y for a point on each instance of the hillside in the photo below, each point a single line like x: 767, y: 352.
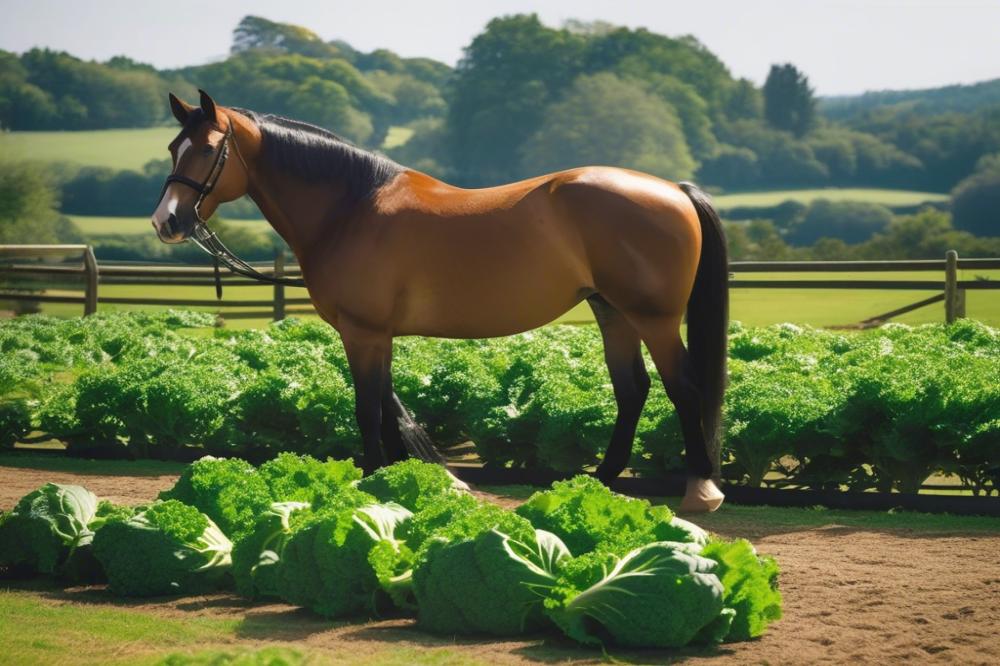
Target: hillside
x: 928, y: 101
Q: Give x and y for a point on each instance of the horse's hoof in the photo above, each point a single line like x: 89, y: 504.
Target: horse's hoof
x: 701, y: 496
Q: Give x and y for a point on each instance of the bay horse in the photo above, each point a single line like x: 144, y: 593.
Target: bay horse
x: 387, y: 251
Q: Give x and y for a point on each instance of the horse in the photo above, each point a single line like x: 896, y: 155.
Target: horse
x: 388, y: 251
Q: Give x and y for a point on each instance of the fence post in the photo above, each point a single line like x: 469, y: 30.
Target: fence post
x: 953, y: 308
x: 91, y: 276
x: 279, y: 289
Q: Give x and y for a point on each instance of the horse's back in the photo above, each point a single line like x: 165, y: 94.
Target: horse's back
x: 493, y: 261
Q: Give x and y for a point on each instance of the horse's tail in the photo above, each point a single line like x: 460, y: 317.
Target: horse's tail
x: 708, y: 320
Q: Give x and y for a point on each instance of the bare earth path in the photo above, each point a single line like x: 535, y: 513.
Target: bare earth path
x: 852, y: 595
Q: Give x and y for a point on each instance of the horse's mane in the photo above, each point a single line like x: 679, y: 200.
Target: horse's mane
x: 316, y: 155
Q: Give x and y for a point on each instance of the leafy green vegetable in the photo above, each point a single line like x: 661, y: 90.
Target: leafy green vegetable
x: 302, y: 478
x: 588, y: 516
x: 15, y: 421
x: 328, y: 563
x: 411, y: 483
x: 227, y: 490
x: 169, y: 548
x: 751, y: 586
x: 660, y: 595
x: 47, y: 527
x: 490, y: 583
x: 255, y: 556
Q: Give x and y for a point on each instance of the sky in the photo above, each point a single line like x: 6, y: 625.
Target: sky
x: 844, y: 46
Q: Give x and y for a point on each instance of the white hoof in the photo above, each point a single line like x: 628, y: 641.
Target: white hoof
x: 701, y: 496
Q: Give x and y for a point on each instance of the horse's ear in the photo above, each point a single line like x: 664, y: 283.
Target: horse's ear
x: 180, y: 108
x: 208, y: 106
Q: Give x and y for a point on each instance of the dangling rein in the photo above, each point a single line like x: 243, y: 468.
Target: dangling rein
x: 206, y: 239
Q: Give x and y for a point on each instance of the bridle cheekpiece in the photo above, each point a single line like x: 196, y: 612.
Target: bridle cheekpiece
x: 207, y: 239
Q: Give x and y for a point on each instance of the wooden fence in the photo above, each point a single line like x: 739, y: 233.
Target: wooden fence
x: 27, y: 273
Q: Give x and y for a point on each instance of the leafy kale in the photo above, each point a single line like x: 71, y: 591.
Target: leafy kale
x: 227, y: 490
x: 486, y: 583
x: 751, y: 586
x: 587, y: 516
x: 169, y: 548
x: 255, y: 556
x: 328, y: 563
x: 47, y: 528
x: 660, y: 595
x: 411, y: 483
x: 301, y: 478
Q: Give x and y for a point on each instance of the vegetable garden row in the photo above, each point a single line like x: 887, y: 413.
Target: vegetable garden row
x: 880, y: 409
x: 601, y: 567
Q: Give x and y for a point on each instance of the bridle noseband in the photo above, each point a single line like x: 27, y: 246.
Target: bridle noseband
x: 204, y: 237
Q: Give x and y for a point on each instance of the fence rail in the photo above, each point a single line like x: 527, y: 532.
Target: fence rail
x: 27, y: 271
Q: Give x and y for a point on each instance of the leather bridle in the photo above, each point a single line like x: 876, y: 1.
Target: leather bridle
x: 204, y: 237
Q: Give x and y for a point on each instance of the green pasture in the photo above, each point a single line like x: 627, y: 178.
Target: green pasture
x: 92, y: 226
x: 755, y: 307
x: 396, y: 137
x: 117, y: 149
x: 864, y: 194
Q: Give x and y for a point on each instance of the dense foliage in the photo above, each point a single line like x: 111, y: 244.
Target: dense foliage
x: 460, y: 565
x: 879, y: 409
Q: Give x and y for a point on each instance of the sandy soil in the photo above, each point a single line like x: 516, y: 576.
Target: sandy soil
x: 851, y: 596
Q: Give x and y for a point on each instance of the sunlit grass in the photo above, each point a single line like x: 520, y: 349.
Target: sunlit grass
x: 865, y: 194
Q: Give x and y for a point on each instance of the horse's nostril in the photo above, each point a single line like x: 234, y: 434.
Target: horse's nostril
x: 172, y: 223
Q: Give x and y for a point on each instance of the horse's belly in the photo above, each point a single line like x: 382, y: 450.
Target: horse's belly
x: 488, y: 304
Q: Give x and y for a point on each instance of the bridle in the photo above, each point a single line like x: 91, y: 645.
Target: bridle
x: 204, y: 237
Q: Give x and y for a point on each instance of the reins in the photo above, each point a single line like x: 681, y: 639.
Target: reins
x: 207, y: 239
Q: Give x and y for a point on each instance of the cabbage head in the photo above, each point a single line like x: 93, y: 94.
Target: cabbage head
x: 661, y: 595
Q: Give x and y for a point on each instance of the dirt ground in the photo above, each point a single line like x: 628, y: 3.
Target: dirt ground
x: 851, y: 595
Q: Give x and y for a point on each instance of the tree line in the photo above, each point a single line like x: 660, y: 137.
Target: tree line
x: 525, y: 99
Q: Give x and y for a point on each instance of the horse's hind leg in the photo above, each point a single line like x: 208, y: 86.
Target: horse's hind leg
x: 663, y: 339
x: 623, y: 354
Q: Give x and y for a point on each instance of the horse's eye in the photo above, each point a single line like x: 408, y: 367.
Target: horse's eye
x: 208, y: 150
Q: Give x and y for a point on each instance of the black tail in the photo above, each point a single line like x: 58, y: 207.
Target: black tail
x: 708, y: 321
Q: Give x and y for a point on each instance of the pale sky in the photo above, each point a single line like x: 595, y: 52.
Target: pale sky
x: 844, y: 46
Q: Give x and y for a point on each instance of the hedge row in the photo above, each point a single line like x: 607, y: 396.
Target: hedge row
x: 881, y: 409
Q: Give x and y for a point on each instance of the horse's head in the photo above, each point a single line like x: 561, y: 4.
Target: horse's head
x: 203, y: 174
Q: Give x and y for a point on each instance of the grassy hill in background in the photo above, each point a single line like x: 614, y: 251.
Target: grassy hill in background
x: 927, y: 101
x: 114, y: 148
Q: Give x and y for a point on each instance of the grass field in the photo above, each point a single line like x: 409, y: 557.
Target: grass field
x: 135, y: 226
x: 865, y: 194
x: 816, y: 307
x: 118, y: 149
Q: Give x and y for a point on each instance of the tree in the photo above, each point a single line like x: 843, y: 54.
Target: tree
x: 605, y: 120
x: 254, y: 32
x: 503, y: 85
x: 789, y: 103
x: 975, y: 202
x: 29, y: 207
x: 849, y: 221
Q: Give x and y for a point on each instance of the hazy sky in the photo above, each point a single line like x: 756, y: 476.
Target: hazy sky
x: 844, y: 46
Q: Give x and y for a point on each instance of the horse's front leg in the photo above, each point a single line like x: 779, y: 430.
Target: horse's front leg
x: 367, y: 356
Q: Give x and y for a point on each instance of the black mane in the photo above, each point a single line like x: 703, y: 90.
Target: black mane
x: 316, y: 155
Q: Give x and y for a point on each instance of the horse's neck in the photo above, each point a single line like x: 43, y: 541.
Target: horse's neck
x: 298, y: 216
